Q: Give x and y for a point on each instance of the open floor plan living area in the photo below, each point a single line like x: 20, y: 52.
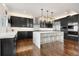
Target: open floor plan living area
x: 39, y: 29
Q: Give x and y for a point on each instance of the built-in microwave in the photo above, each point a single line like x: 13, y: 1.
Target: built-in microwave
x: 73, y: 26
x: 70, y: 27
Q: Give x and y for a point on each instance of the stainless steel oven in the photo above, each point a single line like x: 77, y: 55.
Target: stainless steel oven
x: 73, y: 26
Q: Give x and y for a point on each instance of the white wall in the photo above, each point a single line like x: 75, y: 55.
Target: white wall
x: 3, y: 18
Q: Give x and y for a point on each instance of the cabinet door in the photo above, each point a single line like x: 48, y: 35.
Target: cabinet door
x: 21, y: 35
x: 73, y: 18
x: 29, y: 34
x: 0, y: 47
x: 25, y: 34
x: 21, y: 22
x: 15, y: 22
x: 30, y: 22
x: 8, y: 47
x: 64, y: 22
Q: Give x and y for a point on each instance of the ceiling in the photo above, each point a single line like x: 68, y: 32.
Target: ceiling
x: 34, y: 8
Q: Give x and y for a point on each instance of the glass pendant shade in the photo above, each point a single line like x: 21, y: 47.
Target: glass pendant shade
x: 46, y: 18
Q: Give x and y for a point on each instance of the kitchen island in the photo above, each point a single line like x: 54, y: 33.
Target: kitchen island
x: 42, y: 37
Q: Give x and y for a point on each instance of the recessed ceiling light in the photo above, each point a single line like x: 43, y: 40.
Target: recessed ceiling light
x: 24, y: 11
x: 67, y: 12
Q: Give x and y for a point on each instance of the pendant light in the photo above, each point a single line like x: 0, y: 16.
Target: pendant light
x: 42, y: 16
x: 41, y: 12
x: 47, y: 16
x: 52, y: 16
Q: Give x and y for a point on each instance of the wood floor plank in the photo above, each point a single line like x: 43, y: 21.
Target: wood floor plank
x: 25, y: 47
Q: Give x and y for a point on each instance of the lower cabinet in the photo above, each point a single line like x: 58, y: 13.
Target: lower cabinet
x: 8, y: 47
x: 0, y: 47
x: 25, y: 34
x: 72, y: 38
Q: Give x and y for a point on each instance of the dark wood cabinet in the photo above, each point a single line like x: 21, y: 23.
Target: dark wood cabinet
x: 78, y: 29
x: 0, y: 47
x: 30, y: 22
x: 21, y: 22
x: 64, y: 25
x: 73, y: 18
x: 64, y: 21
x: 8, y: 47
x: 25, y: 34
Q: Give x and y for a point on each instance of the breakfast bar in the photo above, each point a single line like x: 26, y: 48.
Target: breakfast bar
x: 42, y: 37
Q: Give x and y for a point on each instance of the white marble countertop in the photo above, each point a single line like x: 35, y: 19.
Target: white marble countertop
x: 10, y: 34
x: 48, y: 31
x: 22, y: 29
x: 30, y: 29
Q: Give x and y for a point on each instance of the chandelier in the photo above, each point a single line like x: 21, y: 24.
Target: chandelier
x: 46, y: 18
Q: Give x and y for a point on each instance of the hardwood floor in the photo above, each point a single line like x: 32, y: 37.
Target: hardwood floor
x: 25, y: 47
x: 71, y: 48
x: 52, y: 49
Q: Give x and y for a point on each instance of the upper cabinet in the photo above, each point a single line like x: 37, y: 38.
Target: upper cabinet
x: 69, y: 19
x: 21, y: 22
x: 64, y: 21
x: 73, y: 18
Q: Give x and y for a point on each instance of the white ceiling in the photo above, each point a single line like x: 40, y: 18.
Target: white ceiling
x: 34, y: 8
